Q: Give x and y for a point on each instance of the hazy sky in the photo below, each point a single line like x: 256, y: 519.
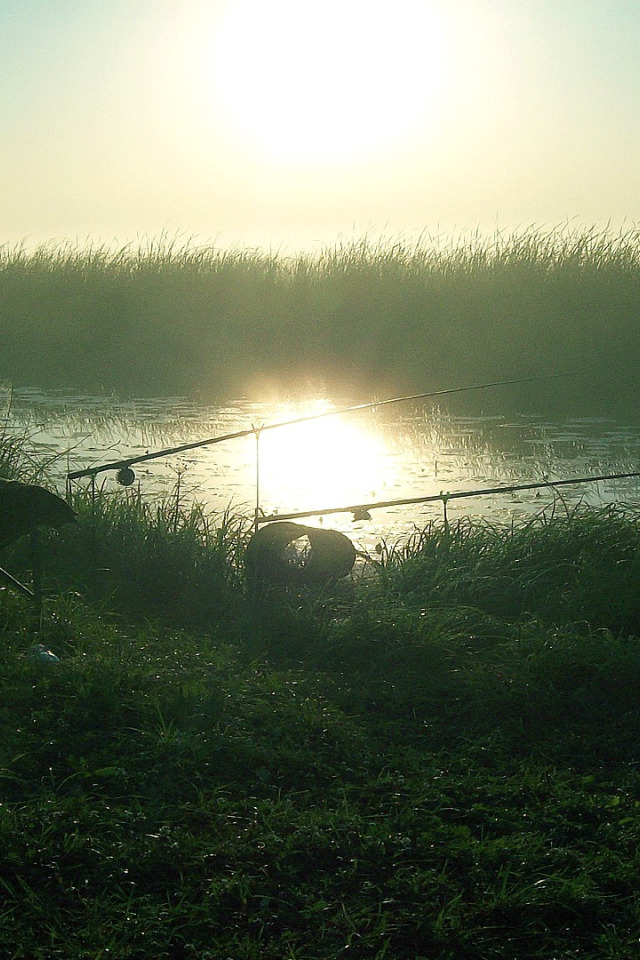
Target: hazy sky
x: 286, y: 123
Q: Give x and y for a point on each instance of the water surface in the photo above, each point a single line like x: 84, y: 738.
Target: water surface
x: 386, y: 453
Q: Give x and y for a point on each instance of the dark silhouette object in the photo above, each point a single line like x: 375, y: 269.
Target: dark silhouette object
x: 125, y: 476
x: 26, y: 506
x: 271, y: 558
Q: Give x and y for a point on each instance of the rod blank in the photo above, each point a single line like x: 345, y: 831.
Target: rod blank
x: 362, y: 508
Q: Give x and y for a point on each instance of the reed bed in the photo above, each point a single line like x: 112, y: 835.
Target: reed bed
x: 365, y: 317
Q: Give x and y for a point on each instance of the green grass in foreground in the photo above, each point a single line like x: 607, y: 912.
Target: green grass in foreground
x: 439, y: 761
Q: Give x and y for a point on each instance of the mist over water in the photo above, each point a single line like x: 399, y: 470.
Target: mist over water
x: 183, y: 329
x: 356, y: 322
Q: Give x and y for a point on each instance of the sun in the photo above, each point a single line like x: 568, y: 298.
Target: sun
x: 329, y: 82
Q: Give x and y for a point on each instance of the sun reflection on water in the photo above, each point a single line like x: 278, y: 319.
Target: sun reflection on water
x: 342, y: 460
x: 334, y: 461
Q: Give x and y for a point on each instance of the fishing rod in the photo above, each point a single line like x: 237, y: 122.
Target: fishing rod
x: 257, y: 430
x: 361, y: 511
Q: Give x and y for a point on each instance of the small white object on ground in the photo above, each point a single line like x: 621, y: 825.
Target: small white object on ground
x: 41, y: 654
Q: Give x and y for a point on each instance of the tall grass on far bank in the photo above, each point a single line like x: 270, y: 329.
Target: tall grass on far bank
x: 366, y: 317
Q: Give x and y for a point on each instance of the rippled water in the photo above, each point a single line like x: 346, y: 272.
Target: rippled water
x: 386, y: 453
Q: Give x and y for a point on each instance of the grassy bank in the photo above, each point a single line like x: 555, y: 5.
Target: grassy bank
x: 363, y: 318
x: 439, y: 760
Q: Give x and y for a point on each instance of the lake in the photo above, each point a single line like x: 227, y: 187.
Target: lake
x: 385, y: 453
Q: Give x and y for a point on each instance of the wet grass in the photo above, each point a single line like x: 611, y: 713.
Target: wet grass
x: 364, y: 318
x: 439, y: 760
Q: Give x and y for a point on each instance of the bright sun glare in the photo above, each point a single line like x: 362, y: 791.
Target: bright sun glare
x: 321, y: 463
x: 331, y: 82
